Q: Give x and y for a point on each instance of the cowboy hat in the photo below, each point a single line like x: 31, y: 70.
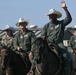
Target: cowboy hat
x: 33, y: 26
x: 53, y: 11
x: 21, y: 20
x: 7, y: 27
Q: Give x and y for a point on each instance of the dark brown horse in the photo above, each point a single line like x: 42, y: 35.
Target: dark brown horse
x: 14, y: 64
x: 45, y: 60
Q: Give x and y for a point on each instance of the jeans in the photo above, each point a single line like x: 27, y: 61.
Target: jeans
x: 66, y: 59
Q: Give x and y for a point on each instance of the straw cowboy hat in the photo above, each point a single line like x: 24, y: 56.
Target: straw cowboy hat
x: 21, y: 20
x: 53, y: 11
x: 7, y: 27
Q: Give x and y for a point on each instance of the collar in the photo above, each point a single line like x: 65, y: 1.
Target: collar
x: 24, y: 32
x: 55, y: 22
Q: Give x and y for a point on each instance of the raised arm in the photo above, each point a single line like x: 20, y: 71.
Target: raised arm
x: 68, y: 15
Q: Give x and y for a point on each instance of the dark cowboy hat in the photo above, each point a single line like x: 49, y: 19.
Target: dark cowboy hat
x: 53, y: 11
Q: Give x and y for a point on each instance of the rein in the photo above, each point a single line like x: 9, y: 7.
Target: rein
x: 38, y: 70
x: 32, y: 73
x: 24, y: 61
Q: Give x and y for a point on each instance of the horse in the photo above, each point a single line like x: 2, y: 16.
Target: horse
x: 45, y: 60
x: 13, y: 63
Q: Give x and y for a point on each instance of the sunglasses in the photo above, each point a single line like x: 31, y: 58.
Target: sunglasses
x: 22, y: 23
x: 7, y: 30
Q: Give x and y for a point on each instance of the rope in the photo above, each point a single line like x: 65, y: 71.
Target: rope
x: 37, y: 69
x: 30, y: 72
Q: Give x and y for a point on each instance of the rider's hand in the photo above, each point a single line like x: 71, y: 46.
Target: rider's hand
x: 63, y: 4
x: 74, y: 51
x: 19, y: 48
x: 30, y: 55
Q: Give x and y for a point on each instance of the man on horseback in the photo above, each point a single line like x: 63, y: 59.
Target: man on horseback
x: 7, y: 39
x: 53, y: 32
x: 72, y: 42
x: 23, y: 38
x: 72, y: 46
x: 6, y: 42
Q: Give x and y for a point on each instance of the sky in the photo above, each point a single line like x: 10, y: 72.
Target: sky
x: 33, y: 10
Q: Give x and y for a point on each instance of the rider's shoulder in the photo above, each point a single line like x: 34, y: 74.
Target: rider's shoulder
x: 4, y: 37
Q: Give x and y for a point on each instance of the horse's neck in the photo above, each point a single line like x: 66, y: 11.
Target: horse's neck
x: 46, y: 52
x: 45, y: 55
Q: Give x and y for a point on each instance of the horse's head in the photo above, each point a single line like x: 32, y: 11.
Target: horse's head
x: 39, y: 48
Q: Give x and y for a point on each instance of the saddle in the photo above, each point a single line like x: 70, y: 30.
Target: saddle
x: 54, y: 47
x: 23, y: 55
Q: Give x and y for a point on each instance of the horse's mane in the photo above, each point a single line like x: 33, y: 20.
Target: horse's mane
x: 40, y: 44
x: 40, y: 41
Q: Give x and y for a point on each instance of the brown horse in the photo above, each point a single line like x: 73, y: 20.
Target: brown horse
x: 14, y: 64
x: 45, y: 60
